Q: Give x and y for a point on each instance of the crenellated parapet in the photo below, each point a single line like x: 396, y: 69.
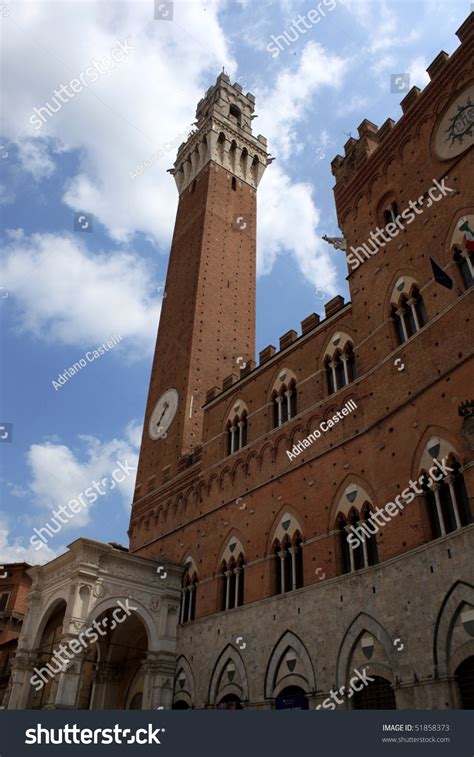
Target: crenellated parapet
x: 224, y: 136
x: 309, y: 324
x: 378, y: 142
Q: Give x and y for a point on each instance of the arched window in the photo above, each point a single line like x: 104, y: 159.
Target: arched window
x: 465, y: 263
x: 233, y: 576
x: 408, y: 315
x: 288, y: 563
x: 371, y: 556
x: 446, y: 500
x: 390, y: 214
x: 344, y: 545
x: 365, y: 553
x: 235, y: 114
x: 340, y: 368
x: 285, y: 403
x: 188, y: 597
x: 237, y: 433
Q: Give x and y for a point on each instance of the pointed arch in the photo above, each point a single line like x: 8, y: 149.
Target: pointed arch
x: 449, y: 443
x: 221, y: 684
x: 459, y: 595
x: 363, y: 623
x: 305, y: 678
x: 184, y: 688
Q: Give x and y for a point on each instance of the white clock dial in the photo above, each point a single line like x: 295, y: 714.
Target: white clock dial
x: 163, y: 414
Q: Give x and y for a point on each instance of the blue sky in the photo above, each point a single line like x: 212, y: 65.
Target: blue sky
x: 65, y: 292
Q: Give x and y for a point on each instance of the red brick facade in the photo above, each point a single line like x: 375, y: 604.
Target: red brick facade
x: 213, y: 497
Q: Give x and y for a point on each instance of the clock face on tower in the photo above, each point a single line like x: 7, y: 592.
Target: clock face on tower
x: 163, y: 414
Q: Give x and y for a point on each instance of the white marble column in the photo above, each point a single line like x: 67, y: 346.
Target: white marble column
x: 450, y: 480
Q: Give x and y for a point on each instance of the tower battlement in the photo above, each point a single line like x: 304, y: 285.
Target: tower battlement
x: 223, y: 135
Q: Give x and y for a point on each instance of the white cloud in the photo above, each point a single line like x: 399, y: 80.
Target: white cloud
x: 283, y: 108
x: 381, y: 24
x: 60, y: 474
x: 34, y: 158
x: 68, y: 295
x: 288, y: 219
x: 417, y: 71
x: 128, y: 113
x: 12, y: 550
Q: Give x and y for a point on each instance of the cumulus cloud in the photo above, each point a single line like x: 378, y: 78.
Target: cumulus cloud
x: 13, y: 550
x: 283, y: 107
x: 70, y: 296
x: 288, y: 219
x: 122, y: 119
x: 59, y: 473
x: 35, y: 159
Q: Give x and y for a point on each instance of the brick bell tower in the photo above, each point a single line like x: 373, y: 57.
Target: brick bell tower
x: 208, y: 314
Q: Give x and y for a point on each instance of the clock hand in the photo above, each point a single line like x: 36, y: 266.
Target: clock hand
x: 165, y: 406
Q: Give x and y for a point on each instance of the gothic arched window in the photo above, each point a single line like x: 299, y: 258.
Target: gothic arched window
x: 344, y: 545
x: 232, y: 591
x: 288, y: 559
x: 447, y: 501
x: 285, y: 403
x: 365, y: 554
x: 340, y: 368
x: 235, y: 114
x: 408, y: 315
x: 390, y: 214
x: 188, y: 597
x: 236, y: 433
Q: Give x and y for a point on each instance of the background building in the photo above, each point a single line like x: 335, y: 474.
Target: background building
x: 276, y: 609
x: 14, y: 587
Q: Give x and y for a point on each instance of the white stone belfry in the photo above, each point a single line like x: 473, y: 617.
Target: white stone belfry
x: 224, y: 136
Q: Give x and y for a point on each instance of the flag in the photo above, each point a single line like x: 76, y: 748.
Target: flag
x: 440, y: 276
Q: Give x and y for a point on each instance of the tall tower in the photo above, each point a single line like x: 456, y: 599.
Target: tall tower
x: 208, y: 314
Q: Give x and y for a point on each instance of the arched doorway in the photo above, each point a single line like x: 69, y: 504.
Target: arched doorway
x: 229, y: 702
x: 117, y: 657
x: 47, y: 663
x: 180, y: 705
x: 465, y: 680
x: 291, y: 698
x: 377, y: 695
